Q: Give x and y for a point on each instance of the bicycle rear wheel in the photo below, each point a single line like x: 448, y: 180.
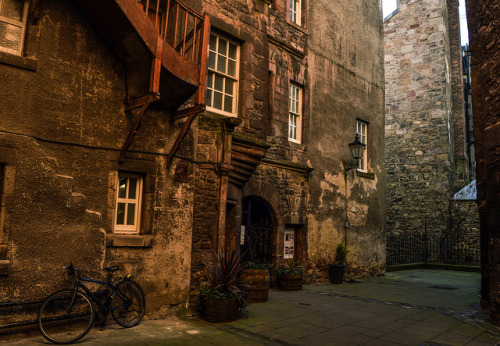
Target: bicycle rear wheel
x: 61, y: 323
x: 128, y: 304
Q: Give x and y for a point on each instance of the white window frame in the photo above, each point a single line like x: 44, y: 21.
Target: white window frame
x: 295, y: 102
x: 21, y: 24
x: 135, y: 228
x: 362, y: 130
x: 210, y: 93
x: 295, y: 11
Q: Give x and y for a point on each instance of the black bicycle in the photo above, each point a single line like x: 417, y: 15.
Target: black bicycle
x: 67, y: 315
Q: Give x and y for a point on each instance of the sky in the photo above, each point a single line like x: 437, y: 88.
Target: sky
x: 390, y: 5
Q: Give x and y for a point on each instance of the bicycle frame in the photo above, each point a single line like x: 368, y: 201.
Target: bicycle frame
x: 104, y: 308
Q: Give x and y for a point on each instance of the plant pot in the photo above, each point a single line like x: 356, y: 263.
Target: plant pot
x: 336, y: 273
x: 258, y: 280
x: 291, y: 282
x: 220, y: 310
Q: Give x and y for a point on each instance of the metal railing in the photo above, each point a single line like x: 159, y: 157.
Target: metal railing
x: 180, y: 26
x: 454, y: 249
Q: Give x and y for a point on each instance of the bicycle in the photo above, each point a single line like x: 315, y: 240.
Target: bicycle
x: 67, y: 315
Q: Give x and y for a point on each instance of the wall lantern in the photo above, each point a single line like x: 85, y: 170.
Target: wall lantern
x: 357, y: 148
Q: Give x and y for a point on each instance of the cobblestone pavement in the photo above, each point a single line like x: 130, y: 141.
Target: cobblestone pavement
x: 414, y: 307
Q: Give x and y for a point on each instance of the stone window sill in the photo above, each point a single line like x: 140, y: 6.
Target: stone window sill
x: 18, y: 61
x: 368, y: 175
x: 129, y: 240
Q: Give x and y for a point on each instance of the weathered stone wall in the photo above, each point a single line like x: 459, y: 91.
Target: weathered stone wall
x: 465, y: 226
x: 345, y: 67
x: 419, y: 117
x: 65, y: 124
x: 485, y: 49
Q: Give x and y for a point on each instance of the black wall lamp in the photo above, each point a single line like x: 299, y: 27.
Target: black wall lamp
x: 357, y: 148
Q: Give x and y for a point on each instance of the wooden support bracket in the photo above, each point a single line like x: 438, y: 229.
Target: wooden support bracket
x: 192, y: 112
x: 142, y: 102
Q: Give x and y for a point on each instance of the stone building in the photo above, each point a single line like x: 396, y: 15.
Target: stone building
x: 484, y: 35
x: 132, y: 144
x: 427, y: 144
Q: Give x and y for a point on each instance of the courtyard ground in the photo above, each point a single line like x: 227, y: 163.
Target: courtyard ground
x: 413, y: 307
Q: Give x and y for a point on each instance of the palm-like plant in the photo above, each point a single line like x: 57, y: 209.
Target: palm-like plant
x: 228, y: 269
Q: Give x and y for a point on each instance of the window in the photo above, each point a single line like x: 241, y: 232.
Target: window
x: 295, y: 114
x: 128, y: 203
x: 222, y: 83
x: 295, y: 11
x: 13, y: 18
x: 362, y: 130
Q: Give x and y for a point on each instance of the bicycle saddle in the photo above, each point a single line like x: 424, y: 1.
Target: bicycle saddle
x: 111, y: 269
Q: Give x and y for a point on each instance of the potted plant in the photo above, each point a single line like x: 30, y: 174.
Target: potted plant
x: 257, y: 277
x: 226, y: 296
x: 337, y: 269
x: 290, y: 276
x: 256, y: 274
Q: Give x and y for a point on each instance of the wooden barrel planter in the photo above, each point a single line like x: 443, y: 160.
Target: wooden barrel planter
x: 291, y: 282
x: 258, y: 280
x: 219, y: 310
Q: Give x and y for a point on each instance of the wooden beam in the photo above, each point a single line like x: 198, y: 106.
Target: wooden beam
x: 194, y: 112
x: 131, y: 135
x: 188, y: 111
x: 204, y: 35
x: 138, y: 102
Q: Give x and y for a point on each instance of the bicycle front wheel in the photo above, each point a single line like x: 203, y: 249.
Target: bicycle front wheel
x: 62, y: 320
x: 128, y: 304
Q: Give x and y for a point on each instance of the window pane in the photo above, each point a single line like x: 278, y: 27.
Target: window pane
x: 229, y: 86
x: 210, y: 80
x: 217, y: 100
x: 122, y: 188
x: 228, y: 104
x: 232, y: 51
x: 211, y: 60
x: 131, y: 214
x: 12, y: 9
x: 10, y: 36
x: 132, y: 188
x: 120, y: 214
x: 219, y: 83
x: 213, y: 43
x: 231, y: 68
x: 221, y: 64
x: 208, y: 98
x: 222, y: 46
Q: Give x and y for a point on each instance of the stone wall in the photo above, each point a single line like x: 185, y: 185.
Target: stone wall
x: 423, y: 107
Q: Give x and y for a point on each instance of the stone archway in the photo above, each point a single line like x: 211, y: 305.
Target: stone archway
x: 260, y: 230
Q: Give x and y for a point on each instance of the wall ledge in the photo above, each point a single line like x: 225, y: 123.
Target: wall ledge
x: 129, y: 240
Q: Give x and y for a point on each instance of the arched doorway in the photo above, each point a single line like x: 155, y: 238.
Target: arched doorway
x: 259, y: 230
